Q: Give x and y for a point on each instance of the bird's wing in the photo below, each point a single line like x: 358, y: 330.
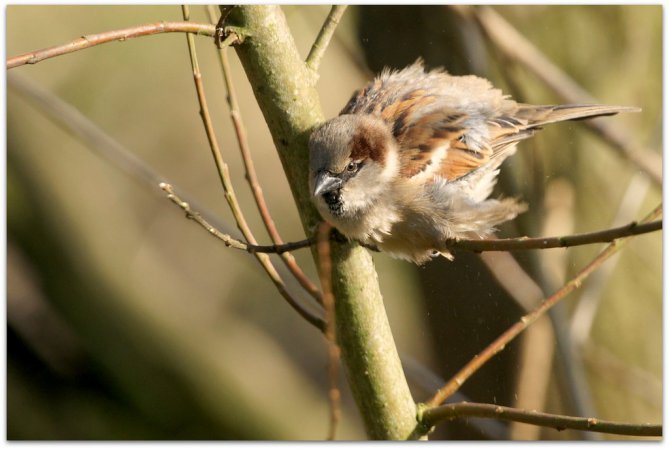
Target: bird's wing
x: 447, y: 142
x: 450, y: 143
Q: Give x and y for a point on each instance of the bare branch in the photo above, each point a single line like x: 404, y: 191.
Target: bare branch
x: 323, y: 39
x: 223, y: 170
x: 238, y: 244
x: 224, y: 175
x: 227, y: 239
x: 196, y: 217
x: 122, y: 35
x: 432, y: 416
x: 498, y: 345
x: 325, y: 273
x: 525, y: 243
x: 252, y: 178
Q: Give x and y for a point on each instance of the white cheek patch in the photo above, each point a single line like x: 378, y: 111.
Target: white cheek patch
x: 355, y: 197
x: 362, y: 191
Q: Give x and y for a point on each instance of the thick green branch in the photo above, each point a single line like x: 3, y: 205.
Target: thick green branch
x: 284, y: 88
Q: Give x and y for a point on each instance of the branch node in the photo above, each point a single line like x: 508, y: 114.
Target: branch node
x: 230, y: 35
x: 423, y: 426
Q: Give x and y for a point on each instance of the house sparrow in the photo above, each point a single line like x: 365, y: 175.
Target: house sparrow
x: 410, y: 161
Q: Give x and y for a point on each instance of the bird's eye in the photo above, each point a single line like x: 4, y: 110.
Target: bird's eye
x: 352, y: 166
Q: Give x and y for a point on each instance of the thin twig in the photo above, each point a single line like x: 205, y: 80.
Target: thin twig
x: 525, y: 243
x: 498, y: 345
x: 434, y: 415
x: 196, y: 217
x: 256, y: 250
x: 223, y: 170
x: 323, y: 39
x: 251, y: 176
x: 325, y: 273
x: 224, y: 175
x: 227, y: 239
x: 516, y: 47
x: 351, y: 52
x: 110, y: 36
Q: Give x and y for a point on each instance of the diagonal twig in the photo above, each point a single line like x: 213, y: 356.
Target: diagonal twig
x: 498, y: 345
x: 121, y: 35
x: 224, y: 175
x: 251, y: 176
x: 227, y: 239
x: 322, y: 41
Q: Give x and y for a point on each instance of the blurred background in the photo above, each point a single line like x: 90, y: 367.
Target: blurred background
x: 127, y: 321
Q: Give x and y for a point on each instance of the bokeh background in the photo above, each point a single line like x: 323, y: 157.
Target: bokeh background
x: 127, y: 321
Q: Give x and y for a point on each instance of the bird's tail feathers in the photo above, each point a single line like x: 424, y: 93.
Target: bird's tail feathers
x: 543, y: 115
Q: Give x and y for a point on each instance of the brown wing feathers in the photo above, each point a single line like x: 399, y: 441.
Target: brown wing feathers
x: 422, y: 137
x: 435, y: 142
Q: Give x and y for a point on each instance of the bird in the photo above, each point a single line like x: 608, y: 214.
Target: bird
x: 410, y: 162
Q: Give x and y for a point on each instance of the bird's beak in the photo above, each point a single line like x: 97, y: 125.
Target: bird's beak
x: 325, y: 182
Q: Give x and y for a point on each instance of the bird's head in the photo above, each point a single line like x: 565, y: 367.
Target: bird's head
x: 352, y: 159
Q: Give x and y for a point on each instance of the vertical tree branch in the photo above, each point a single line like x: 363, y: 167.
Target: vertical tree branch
x: 284, y: 89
